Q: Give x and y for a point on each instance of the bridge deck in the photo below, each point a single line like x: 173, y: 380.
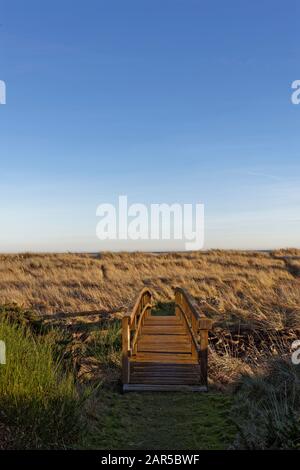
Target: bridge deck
x: 164, y: 353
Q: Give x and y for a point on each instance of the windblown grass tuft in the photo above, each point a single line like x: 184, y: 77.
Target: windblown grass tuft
x: 38, y: 399
x: 267, y: 407
x: 106, y: 343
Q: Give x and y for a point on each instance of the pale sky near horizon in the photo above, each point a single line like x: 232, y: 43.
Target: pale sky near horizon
x: 161, y: 100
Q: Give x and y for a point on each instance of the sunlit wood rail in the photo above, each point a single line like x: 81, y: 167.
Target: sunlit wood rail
x: 165, y: 352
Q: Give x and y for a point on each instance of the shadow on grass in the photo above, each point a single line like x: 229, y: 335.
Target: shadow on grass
x: 161, y: 420
x: 163, y: 309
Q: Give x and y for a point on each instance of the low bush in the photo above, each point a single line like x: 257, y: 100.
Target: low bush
x: 267, y: 408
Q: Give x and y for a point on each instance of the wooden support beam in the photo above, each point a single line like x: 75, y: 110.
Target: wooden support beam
x: 125, y: 349
x: 203, y: 356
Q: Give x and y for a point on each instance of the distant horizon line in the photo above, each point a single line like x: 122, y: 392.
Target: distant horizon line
x: 157, y: 252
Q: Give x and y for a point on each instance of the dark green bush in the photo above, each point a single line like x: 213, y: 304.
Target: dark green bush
x: 267, y: 408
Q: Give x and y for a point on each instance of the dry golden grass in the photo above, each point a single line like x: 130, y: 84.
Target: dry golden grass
x: 253, y: 297
x: 246, y: 284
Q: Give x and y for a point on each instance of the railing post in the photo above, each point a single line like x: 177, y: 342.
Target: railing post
x: 177, y: 302
x: 147, y: 300
x: 125, y: 349
x: 205, y: 324
x: 203, y: 356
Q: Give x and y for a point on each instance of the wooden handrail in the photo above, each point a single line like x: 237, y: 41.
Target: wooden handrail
x: 193, y: 306
x: 137, y: 330
x: 132, y: 322
x: 199, y: 325
x: 195, y: 341
x: 135, y: 307
x: 204, y: 322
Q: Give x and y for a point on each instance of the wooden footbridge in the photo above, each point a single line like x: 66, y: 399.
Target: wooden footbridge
x: 165, y: 352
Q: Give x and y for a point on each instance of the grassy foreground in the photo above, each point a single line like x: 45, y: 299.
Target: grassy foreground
x: 161, y: 421
x: 41, y: 408
x: 39, y: 404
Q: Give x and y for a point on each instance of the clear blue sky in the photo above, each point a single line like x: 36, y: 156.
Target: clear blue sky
x: 162, y: 100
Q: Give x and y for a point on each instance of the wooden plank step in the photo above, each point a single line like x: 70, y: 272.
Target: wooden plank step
x: 159, y: 379
x: 164, y: 373
x: 164, y: 339
x: 154, y: 379
x: 163, y: 388
x: 191, y: 378
x: 164, y: 357
x: 168, y: 320
x: 165, y: 381
x: 174, y: 343
x: 162, y: 322
x: 166, y: 365
x: 163, y: 347
x: 171, y: 348
x: 162, y: 330
x: 168, y: 372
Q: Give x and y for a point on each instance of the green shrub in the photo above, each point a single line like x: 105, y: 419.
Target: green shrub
x: 267, y: 408
x: 38, y: 398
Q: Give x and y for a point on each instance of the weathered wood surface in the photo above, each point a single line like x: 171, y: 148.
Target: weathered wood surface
x: 165, y: 352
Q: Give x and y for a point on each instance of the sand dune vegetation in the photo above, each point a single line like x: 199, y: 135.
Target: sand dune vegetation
x: 253, y: 299
x: 227, y: 281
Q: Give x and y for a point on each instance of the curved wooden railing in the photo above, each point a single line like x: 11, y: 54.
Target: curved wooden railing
x: 197, y: 324
x: 131, y: 326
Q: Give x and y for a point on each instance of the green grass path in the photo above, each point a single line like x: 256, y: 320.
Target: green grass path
x: 162, y: 421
